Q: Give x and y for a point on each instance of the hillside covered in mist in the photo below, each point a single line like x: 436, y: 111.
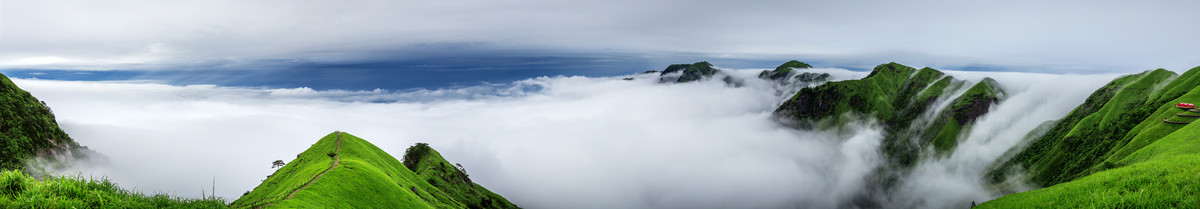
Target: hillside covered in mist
x: 1130, y: 144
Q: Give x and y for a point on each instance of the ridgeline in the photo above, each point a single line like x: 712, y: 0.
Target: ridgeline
x: 344, y: 171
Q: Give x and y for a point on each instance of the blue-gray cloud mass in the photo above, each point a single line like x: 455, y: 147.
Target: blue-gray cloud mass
x: 1059, y: 37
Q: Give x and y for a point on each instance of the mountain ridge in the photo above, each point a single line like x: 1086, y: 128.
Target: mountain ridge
x: 335, y: 170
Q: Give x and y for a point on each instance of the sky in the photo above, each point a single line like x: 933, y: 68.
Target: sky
x: 529, y: 95
x: 422, y: 44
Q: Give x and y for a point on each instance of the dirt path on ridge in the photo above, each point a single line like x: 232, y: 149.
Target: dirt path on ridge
x: 336, y: 161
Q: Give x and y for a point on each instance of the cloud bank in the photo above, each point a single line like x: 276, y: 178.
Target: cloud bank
x: 1070, y: 36
x: 548, y: 142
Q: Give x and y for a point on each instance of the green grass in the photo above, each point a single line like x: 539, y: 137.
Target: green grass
x: 366, y: 177
x: 1167, y: 182
x: 1120, y: 154
x: 1092, y: 132
x: 18, y: 190
x: 454, y: 181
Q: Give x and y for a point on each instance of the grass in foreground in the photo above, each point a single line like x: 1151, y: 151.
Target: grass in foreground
x: 1167, y: 182
x: 18, y: 190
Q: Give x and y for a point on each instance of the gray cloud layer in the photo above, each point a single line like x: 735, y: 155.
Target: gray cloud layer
x: 1077, y: 36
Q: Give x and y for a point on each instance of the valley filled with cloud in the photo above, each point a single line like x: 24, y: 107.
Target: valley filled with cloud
x: 546, y: 142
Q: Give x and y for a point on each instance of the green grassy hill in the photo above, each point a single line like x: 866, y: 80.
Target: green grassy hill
x: 342, y: 170
x: 28, y: 130
x: 1117, y: 149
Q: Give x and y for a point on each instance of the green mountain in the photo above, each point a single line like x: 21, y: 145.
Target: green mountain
x: 896, y: 95
x: 343, y: 171
x: 688, y: 72
x: 905, y: 101
x: 790, y: 72
x: 20, y: 190
x: 783, y: 71
x: 1126, y: 146
x: 28, y: 131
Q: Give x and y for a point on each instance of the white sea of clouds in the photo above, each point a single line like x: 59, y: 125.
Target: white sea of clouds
x: 547, y: 142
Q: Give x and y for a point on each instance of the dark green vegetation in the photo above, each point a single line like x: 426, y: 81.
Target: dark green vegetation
x: 18, y: 190
x: 1115, y: 150
x: 808, y: 77
x: 783, y: 71
x: 28, y: 130
x: 788, y: 73
x: 973, y: 103
x: 342, y: 171
x: 896, y: 96
x: 690, y: 72
x: 893, y: 94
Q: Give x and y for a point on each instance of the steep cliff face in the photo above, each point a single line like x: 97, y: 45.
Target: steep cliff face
x: 28, y: 130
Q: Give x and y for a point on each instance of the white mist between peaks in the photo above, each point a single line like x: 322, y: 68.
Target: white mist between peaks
x: 571, y: 142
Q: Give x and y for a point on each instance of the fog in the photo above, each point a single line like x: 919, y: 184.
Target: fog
x: 547, y: 142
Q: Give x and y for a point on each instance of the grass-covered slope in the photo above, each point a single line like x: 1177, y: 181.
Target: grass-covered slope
x: 28, y: 129
x: 1088, y: 135
x: 961, y: 114
x: 18, y: 190
x: 1168, y: 182
x: 451, y: 179
x: 342, y: 171
x: 1115, y: 150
